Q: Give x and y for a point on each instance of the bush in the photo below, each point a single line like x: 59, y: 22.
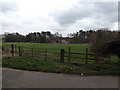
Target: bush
x: 104, y: 43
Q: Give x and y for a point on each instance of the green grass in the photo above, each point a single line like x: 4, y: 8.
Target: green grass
x: 74, y: 47
x: 52, y: 64
x: 37, y: 64
x: 53, y: 50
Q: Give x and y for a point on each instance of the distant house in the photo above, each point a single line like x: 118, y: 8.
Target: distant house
x: 67, y: 40
x: 61, y: 40
x: 56, y: 40
x: 64, y: 41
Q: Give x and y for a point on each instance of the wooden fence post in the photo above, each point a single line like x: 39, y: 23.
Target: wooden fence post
x: 15, y: 49
x: 12, y: 51
x: 32, y: 52
x: 45, y: 54
x: 86, y: 55
x: 19, y: 51
x: 69, y: 51
x: 62, y: 55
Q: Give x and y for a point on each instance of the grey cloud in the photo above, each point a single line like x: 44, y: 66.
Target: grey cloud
x: 8, y: 6
x: 104, y: 11
x: 73, y: 14
x: 109, y: 11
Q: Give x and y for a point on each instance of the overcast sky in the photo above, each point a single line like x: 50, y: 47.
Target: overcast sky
x: 63, y: 16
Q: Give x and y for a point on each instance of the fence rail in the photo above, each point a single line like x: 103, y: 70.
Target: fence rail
x: 59, y: 54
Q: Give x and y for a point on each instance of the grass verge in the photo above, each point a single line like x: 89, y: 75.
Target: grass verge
x: 37, y: 64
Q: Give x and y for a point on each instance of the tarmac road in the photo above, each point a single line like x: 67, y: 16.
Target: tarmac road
x: 28, y: 79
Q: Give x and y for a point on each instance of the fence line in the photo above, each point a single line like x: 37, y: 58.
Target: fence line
x: 37, y: 52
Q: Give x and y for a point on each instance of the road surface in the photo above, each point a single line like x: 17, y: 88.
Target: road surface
x: 28, y: 79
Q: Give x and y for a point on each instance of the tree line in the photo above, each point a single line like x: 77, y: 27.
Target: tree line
x: 81, y: 36
x: 93, y: 35
x: 36, y: 37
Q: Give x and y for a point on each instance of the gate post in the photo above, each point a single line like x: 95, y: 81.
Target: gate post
x: 12, y: 51
x: 69, y: 51
x: 19, y: 51
x: 15, y: 49
x: 62, y: 55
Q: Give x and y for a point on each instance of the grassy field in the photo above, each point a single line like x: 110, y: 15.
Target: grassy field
x: 75, y: 47
x: 52, y: 64
x: 53, y: 50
